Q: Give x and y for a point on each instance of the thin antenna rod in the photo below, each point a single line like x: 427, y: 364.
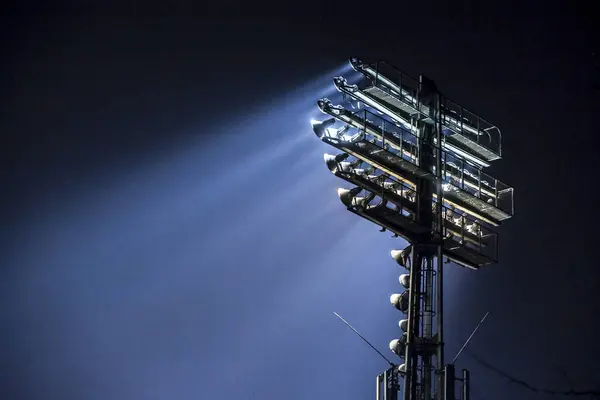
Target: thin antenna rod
x: 470, y: 337
x: 363, y: 338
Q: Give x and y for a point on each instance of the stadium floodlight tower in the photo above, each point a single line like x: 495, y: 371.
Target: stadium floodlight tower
x: 416, y: 162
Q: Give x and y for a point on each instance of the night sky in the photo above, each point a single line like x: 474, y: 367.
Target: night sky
x: 171, y: 231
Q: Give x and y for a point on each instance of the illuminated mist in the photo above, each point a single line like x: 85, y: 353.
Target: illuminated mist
x: 211, y: 271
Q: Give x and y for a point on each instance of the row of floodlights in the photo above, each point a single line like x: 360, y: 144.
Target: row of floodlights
x: 349, y: 197
x: 401, y: 303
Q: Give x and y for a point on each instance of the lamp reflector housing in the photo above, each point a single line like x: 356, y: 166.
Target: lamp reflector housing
x: 402, y: 369
x: 347, y: 195
x: 320, y: 127
x: 400, y: 301
x: 405, y: 280
x: 403, y: 324
x: 401, y: 256
x: 398, y: 347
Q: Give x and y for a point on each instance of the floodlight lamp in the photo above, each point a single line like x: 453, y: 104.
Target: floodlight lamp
x: 334, y: 162
x: 400, y: 301
x: 336, y: 157
x: 356, y: 64
x: 448, y: 187
x: 323, y: 104
x: 366, y: 172
x: 405, y: 280
x: 402, y: 369
x: 411, y: 195
x: 402, y: 256
x: 341, y: 84
x: 320, y: 127
x: 327, y: 107
x: 390, y: 185
x: 403, y: 324
x: 339, y: 80
x: 342, y: 166
x: 474, y: 228
x: 398, y: 347
x: 346, y: 196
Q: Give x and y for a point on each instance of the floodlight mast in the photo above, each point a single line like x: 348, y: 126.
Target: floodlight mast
x: 421, y: 344
x: 416, y: 166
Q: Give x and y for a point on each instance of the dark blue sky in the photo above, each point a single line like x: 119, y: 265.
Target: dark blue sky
x: 171, y: 230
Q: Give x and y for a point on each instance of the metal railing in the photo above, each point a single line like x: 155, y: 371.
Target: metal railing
x: 461, y: 175
x: 455, y: 118
x: 468, y: 233
x: 401, y: 140
x: 461, y: 121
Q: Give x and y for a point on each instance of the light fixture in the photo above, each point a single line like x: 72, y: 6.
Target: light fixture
x: 356, y: 63
x: 404, y: 280
x: 402, y: 369
x: 390, y: 184
x: 398, y: 346
x: 347, y: 195
x: 403, y: 324
x: 402, y: 256
x: 320, y: 127
x: 335, y: 162
x: 400, y: 301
